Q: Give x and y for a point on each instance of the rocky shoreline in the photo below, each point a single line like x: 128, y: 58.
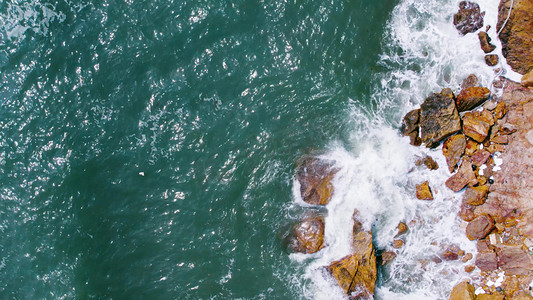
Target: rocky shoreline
x: 487, y: 140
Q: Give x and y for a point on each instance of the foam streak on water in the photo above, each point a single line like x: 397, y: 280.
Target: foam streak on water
x: 423, y: 54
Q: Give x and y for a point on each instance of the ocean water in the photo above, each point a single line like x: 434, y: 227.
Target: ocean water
x: 148, y: 148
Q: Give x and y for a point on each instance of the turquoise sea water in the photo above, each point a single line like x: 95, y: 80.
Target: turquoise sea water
x: 147, y: 148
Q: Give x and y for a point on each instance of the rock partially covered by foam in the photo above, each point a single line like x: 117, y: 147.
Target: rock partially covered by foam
x: 517, y: 35
x: 484, y: 41
x: 439, y: 119
x: 307, y: 236
x: 356, y: 274
x: 315, y: 176
x: 468, y: 18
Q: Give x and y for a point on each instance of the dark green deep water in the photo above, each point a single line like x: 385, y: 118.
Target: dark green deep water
x: 147, y: 148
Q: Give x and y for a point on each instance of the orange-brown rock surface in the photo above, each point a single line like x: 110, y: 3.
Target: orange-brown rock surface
x: 315, y: 176
x: 423, y: 192
x: 463, y: 291
x: 517, y: 35
x: 471, y: 97
x: 307, y: 235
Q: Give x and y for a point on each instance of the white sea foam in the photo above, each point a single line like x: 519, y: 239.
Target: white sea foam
x: 424, y: 53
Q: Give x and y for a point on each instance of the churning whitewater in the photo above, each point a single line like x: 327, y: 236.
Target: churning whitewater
x: 424, y: 53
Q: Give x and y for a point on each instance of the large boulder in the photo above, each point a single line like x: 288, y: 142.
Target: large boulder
x: 315, y: 176
x: 517, y: 35
x: 468, y: 18
x: 464, y: 176
x: 479, y: 228
x: 463, y: 291
x: 514, y: 260
x: 356, y: 274
x: 453, y: 149
x: 471, y: 97
x: 307, y: 236
x: 438, y: 119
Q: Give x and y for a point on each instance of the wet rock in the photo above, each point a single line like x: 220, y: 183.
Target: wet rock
x: 517, y: 35
x: 438, y: 119
x: 402, y: 228
x: 463, y: 291
x: 469, y: 81
x: 453, y: 149
x: 492, y: 59
x: 356, y: 274
x: 449, y: 255
x: 500, y: 110
x: 315, y: 178
x: 307, y: 236
x: 466, y: 213
x: 423, y: 192
x: 397, y: 244
x: 480, y: 227
x: 475, y: 127
x: 469, y: 268
x: 430, y: 163
x: 468, y: 18
x: 464, y: 176
x: 386, y: 257
x: 487, y: 261
x: 514, y: 260
x: 410, y: 122
x: 476, y: 195
x: 467, y: 257
x: 471, y: 147
x: 480, y: 157
x: 484, y: 41
x: 471, y: 97
x: 527, y: 80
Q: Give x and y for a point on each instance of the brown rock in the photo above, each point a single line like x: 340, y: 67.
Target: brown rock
x: 480, y: 157
x: 480, y: 227
x: 308, y: 235
x: 469, y: 268
x: 315, y: 178
x: 397, y: 244
x: 414, y: 137
x: 492, y: 59
x: 517, y: 35
x: 484, y: 41
x: 410, y: 122
x: 493, y: 148
x: 500, y: 139
x: 468, y: 18
x: 490, y: 297
x: 423, y: 192
x: 471, y: 97
x: 463, y: 291
x: 402, y: 228
x: 467, y: 257
x: 430, y: 163
x: 438, y: 119
x: 471, y: 147
x: 469, y: 81
x: 476, y: 195
x: 449, y: 255
x: 487, y: 261
x: 356, y: 274
x: 386, y: 257
x: 514, y: 260
x: 465, y: 175
x: 527, y: 80
x: 475, y: 127
x: 453, y: 149
x: 500, y: 110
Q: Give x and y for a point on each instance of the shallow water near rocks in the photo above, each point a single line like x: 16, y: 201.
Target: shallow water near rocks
x: 147, y: 149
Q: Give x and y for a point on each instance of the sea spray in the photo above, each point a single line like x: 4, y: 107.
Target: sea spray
x: 423, y: 53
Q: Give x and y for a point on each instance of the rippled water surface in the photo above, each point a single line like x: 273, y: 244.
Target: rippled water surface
x: 147, y: 148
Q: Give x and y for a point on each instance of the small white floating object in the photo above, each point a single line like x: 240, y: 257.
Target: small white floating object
x: 141, y: 173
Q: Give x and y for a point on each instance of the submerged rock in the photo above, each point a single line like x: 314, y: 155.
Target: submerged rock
x: 517, y: 35
x: 315, y: 176
x: 438, y: 119
x: 308, y: 235
x: 470, y: 81
x: 468, y: 18
x: 492, y: 59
